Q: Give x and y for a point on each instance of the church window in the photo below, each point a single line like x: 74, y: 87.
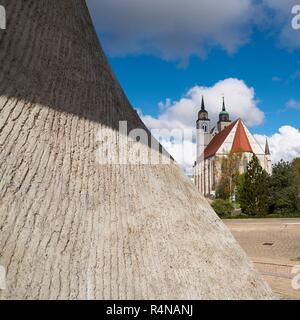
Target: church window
x: 204, y: 127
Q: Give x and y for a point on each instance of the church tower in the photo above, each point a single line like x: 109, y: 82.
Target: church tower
x: 224, y: 120
x: 203, y: 129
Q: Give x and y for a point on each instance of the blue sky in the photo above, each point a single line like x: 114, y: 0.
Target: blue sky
x: 147, y: 80
x: 247, y: 49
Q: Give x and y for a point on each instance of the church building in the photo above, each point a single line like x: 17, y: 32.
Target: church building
x: 215, y: 143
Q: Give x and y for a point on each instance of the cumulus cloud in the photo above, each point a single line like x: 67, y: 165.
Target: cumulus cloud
x: 178, y: 29
x: 183, y: 152
x: 172, y: 29
x: 240, y: 101
x: 284, y: 144
x: 176, y: 116
x: 278, y: 16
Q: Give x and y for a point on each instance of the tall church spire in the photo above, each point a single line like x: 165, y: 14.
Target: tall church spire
x: 203, y: 129
x: 203, y: 114
x: 224, y: 107
x: 202, y: 104
x: 224, y: 119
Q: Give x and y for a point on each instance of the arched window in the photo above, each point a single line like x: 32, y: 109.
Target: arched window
x: 204, y: 127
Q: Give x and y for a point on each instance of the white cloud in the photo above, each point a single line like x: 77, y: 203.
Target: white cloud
x: 278, y: 13
x: 172, y: 29
x: 285, y: 144
x: 293, y: 104
x: 182, y: 114
x: 240, y: 103
x: 184, y: 153
x: 178, y: 29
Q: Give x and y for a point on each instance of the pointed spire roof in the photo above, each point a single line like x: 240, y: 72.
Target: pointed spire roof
x: 203, y: 114
x: 223, y: 107
x: 267, y: 148
x: 223, y: 115
x: 224, y: 111
x: 202, y: 104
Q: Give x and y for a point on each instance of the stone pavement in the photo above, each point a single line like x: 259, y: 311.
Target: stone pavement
x: 274, y: 247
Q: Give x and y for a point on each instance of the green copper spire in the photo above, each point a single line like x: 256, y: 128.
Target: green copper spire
x: 224, y: 115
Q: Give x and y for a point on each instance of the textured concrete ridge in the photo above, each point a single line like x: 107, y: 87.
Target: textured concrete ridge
x: 71, y: 228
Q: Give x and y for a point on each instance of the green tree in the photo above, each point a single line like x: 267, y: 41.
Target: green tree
x: 296, y: 169
x: 283, y: 189
x: 240, y: 181
x: 253, y: 195
x: 229, y: 173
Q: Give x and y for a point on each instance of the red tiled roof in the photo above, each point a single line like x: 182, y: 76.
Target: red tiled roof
x: 241, y: 141
x: 217, y: 141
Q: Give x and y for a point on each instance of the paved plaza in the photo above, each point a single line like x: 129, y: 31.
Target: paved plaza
x: 274, y: 247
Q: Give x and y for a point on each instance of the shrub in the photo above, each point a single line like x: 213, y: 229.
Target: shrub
x: 222, y: 207
x: 283, y: 189
x: 285, y: 201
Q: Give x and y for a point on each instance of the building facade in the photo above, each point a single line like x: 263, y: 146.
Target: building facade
x: 216, y: 142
